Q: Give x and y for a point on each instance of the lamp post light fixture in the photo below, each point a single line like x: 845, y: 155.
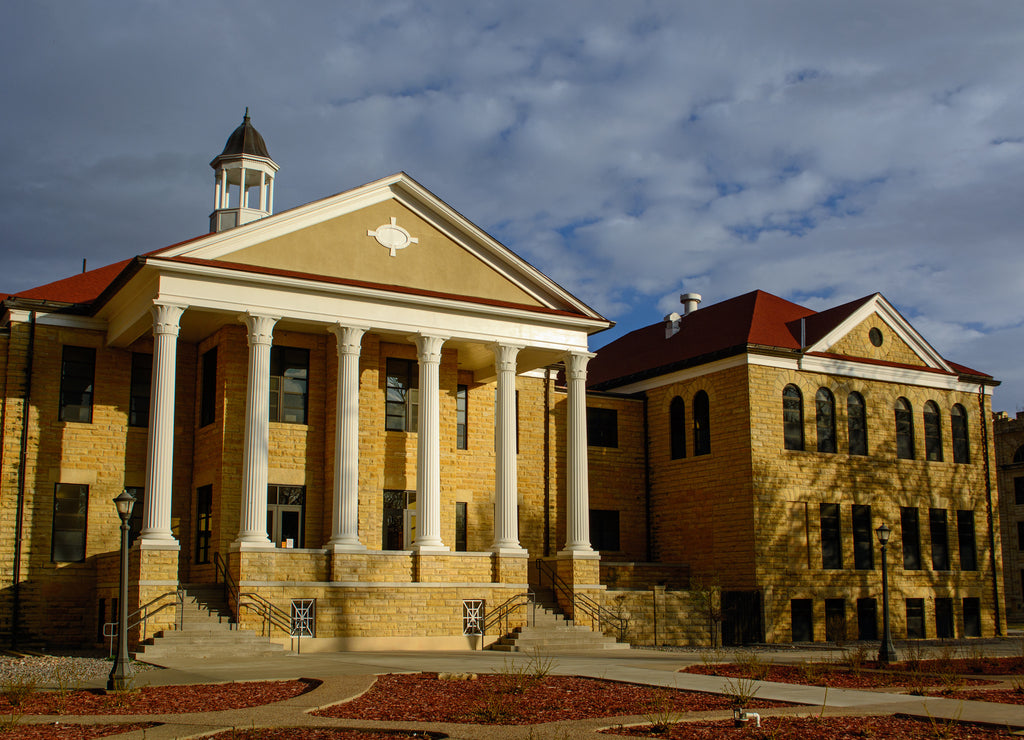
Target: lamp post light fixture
x: 119, y: 678
x: 886, y: 651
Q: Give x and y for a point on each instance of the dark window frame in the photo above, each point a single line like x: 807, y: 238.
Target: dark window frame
x: 605, y: 532
x: 401, y: 395
x: 461, y: 526
x: 208, y: 388
x: 972, y: 616
x: 677, y: 428
x: 462, y: 417
x: 701, y: 424
x: 831, y: 536
x: 857, y: 424
x: 1018, y: 490
x: 602, y: 427
x: 932, y: 432
x: 283, y: 498
x: 904, y: 418
x: 801, y: 620
x: 938, y: 529
x: 966, y: 540
x: 77, y: 383
x: 70, y: 523
x: 910, y: 537
x: 961, y: 440
x: 204, y: 523
x: 825, y: 419
x: 140, y: 389
x: 289, y: 384
x: 863, y: 538
x: 793, y: 418
x: 916, y: 626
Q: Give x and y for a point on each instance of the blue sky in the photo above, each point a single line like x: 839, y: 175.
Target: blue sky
x: 632, y: 151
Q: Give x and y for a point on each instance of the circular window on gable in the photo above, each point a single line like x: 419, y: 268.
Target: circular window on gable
x: 875, y: 335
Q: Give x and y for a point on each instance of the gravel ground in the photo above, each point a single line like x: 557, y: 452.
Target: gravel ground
x: 67, y: 672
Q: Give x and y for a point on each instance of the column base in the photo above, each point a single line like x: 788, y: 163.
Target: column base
x: 510, y: 551
x: 156, y: 543
x: 345, y: 546
x: 588, y: 554
x: 430, y: 548
x: 251, y: 545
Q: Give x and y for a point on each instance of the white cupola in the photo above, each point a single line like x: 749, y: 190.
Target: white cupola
x: 244, y: 165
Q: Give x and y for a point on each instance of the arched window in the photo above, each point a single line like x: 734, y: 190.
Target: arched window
x: 857, y: 424
x: 677, y: 424
x: 1018, y: 456
x: 961, y: 448
x: 904, y: 429
x: 825, y: 410
x: 701, y: 424
x: 793, y: 417
x: 932, y: 432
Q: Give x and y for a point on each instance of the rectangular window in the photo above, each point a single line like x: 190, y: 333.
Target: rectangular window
x: 965, y: 536
x: 602, y: 427
x: 802, y: 617
x: 204, y: 523
x: 461, y: 527
x: 77, y: 375
x: 835, y: 620
x: 867, y: 619
x: 135, y: 522
x: 462, y: 417
x: 142, y: 377
x: 943, y: 618
x: 604, y: 529
x: 972, y: 617
x: 70, y: 514
x: 910, y: 533
x: 831, y: 541
x: 1018, y: 490
x: 394, y: 507
x: 286, y: 512
x: 940, y: 539
x: 915, y: 619
x: 208, y: 392
x: 402, y: 395
x: 863, y: 543
x: 289, y: 378
x: 1020, y: 536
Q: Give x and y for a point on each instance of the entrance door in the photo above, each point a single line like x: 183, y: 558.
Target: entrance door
x: 742, y: 620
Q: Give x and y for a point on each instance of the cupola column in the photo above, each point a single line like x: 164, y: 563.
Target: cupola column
x: 345, y: 511
x: 506, y: 484
x: 428, y: 447
x: 577, y: 493
x: 156, y: 514
x: 256, y: 442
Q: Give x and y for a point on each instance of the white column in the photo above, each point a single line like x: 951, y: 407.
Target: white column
x: 270, y: 203
x: 428, y: 446
x: 506, y: 488
x: 577, y: 490
x: 216, y: 191
x: 345, y: 512
x: 243, y: 200
x: 263, y: 191
x: 255, y: 451
x: 156, y: 514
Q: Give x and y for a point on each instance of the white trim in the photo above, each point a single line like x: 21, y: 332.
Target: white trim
x: 877, y: 304
x: 381, y: 584
x: 65, y: 321
x: 811, y: 364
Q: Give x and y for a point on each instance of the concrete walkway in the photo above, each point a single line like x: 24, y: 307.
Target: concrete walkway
x: 346, y: 675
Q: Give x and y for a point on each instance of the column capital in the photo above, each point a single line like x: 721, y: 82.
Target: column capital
x: 167, y: 318
x: 349, y: 338
x: 505, y: 356
x: 576, y: 364
x: 428, y: 347
x: 260, y: 326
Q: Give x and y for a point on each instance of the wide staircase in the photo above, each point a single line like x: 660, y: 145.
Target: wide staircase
x: 206, y: 630
x: 548, y: 631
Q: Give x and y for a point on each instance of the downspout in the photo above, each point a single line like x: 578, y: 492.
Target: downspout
x: 988, y: 501
x: 647, y: 487
x: 547, y: 461
x: 22, y: 462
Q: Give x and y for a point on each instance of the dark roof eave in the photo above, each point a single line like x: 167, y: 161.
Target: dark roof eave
x: 130, y: 270
x: 671, y: 367
x: 37, y: 304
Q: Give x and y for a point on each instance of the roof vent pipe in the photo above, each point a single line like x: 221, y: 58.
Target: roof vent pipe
x: 690, y: 302
x: 672, y: 324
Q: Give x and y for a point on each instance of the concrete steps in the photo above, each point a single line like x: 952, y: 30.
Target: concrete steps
x: 551, y: 632
x: 206, y: 630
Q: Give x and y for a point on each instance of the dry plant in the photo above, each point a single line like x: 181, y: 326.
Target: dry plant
x: 740, y: 692
x: 752, y: 665
x: 855, y: 658
x: 662, y: 714
x: 17, y: 690
x: 945, y: 728
x: 9, y: 723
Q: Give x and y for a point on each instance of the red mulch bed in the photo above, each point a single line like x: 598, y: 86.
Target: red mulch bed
x: 966, y: 666
x: 999, y: 696
x: 159, y: 699
x: 835, y: 677
x: 71, y: 732
x: 493, y: 699
x: 302, y: 733
x: 817, y: 728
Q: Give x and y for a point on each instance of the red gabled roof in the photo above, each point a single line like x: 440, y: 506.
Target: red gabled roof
x: 721, y: 330
x: 82, y: 288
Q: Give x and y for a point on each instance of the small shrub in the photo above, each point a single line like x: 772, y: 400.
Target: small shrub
x: 9, y: 723
x: 662, y: 715
x: 855, y: 658
x: 17, y: 690
x: 752, y: 665
x: 740, y: 691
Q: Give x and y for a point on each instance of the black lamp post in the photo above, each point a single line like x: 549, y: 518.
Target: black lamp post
x: 886, y: 651
x: 119, y: 678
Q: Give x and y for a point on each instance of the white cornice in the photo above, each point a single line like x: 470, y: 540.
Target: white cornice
x: 63, y: 320
x: 877, y: 304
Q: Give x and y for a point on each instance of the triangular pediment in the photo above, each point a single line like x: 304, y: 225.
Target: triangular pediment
x: 389, y: 233
x: 876, y: 331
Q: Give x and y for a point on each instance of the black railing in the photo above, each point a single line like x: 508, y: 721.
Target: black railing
x: 271, y: 616
x: 501, y: 615
x: 141, y: 616
x: 599, y: 616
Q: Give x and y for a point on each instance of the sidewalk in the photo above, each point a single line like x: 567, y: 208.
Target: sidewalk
x: 346, y: 675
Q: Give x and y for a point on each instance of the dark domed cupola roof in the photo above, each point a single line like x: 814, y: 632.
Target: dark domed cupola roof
x: 245, y: 140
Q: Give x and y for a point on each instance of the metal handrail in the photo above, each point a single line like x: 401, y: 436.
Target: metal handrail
x: 220, y: 568
x: 273, y: 616
x: 598, y: 614
x: 503, y: 611
x: 144, y: 614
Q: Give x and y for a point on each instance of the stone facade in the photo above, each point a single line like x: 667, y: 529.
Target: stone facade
x: 1009, y: 460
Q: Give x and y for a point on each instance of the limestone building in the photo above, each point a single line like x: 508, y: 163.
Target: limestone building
x: 366, y: 412
x: 1009, y: 452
